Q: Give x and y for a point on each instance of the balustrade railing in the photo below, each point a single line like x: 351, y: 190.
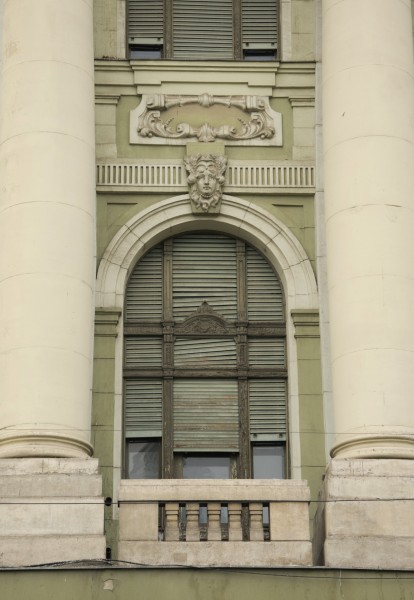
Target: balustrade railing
x: 214, y: 521
x: 229, y: 522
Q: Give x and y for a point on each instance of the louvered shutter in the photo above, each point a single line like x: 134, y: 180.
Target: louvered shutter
x: 264, y: 292
x: 145, y: 21
x: 203, y: 29
x: 143, y: 408
x: 259, y: 24
x: 204, y: 353
x: 267, y: 352
x: 267, y: 406
x: 204, y: 268
x: 206, y: 415
x: 143, y: 352
x: 144, y: 292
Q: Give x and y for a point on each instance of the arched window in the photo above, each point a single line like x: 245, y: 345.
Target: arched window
x: 205, y: 378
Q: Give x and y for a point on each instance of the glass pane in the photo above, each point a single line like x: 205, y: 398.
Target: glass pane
x: 268, y: 462
x: 199, y: 466
x: 145, y: 52
x: 144, y: 460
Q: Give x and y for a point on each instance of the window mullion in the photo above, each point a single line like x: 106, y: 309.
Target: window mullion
x: 168, y: 29
x: 237, y: 29
x: 168, y: 363
x: 242, y: 363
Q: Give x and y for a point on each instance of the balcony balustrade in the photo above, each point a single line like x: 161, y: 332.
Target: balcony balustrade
x: 214, y: 522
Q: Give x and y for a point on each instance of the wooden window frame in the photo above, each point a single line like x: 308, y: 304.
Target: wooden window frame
x: 167, y: 46
x: 171, y: 466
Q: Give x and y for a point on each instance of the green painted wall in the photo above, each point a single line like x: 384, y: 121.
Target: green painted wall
x: 206, y: 584
x: 291, y: 86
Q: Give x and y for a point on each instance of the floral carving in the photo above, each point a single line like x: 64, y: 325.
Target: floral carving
x: 206, y: 180
x: 260, y: 124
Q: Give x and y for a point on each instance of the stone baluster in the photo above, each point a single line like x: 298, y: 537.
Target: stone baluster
x: 214, y: 526
x: 193, y: 529
x: 171, y: 522
x: 235, y: 525
x: 256, y: 522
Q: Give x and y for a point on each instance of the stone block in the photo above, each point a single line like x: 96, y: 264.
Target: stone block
x: 366, y: 519
x: 370, y: 518
x: 51, y: 510
x: 138, y: 522
x: 370, y: 552
x: 51, y: 516
x: 289, y: 521
x: 19, y: 551
x: 49, y: 485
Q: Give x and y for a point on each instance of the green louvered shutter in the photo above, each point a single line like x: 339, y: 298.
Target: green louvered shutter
x: 205, y: 352
x: 143, y: 408
x: 204, y: 268
x: 203, y: 29
x: 267, y: 405
x: 264, y: 292
x: 206, y: 415
x: 267, y: 352
x: 145, y: 21
x: 144, y: 292
x: 259, y: 24
x: 143, y: 352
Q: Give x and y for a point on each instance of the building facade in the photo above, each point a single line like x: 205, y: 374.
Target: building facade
x: 207, y: 285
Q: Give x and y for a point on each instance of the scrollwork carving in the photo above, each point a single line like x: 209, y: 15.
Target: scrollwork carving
x: 151, y: 122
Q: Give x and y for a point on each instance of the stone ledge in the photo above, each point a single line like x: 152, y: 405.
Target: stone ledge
x: 217, y: 554
x: 199, y: 490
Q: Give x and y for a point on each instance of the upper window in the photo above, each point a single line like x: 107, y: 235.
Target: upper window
x: 205, y: 378
x: 203, y: 29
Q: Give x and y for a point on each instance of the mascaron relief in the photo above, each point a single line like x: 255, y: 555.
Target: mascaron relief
x: 168, y: 119
x: 206, y: 180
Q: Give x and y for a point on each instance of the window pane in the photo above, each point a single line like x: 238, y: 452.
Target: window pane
x: 268, y: 462
x: 199, y: 466
x: 144, y: 460
x: 145, y: 52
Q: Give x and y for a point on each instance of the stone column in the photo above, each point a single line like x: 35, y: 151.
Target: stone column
x: 368, y: 109
x: 47, y: 228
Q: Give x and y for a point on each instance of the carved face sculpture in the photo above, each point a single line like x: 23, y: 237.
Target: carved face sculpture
x: 206, y: 179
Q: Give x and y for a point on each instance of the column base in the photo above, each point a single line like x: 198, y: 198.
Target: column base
x: 52, y: 445
x: 375, y: 446
x: 366, y: 516
x: 51, y: 510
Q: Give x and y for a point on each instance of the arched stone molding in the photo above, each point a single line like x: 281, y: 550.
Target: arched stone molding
x: 242, y: 219
x: 238, y: 217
